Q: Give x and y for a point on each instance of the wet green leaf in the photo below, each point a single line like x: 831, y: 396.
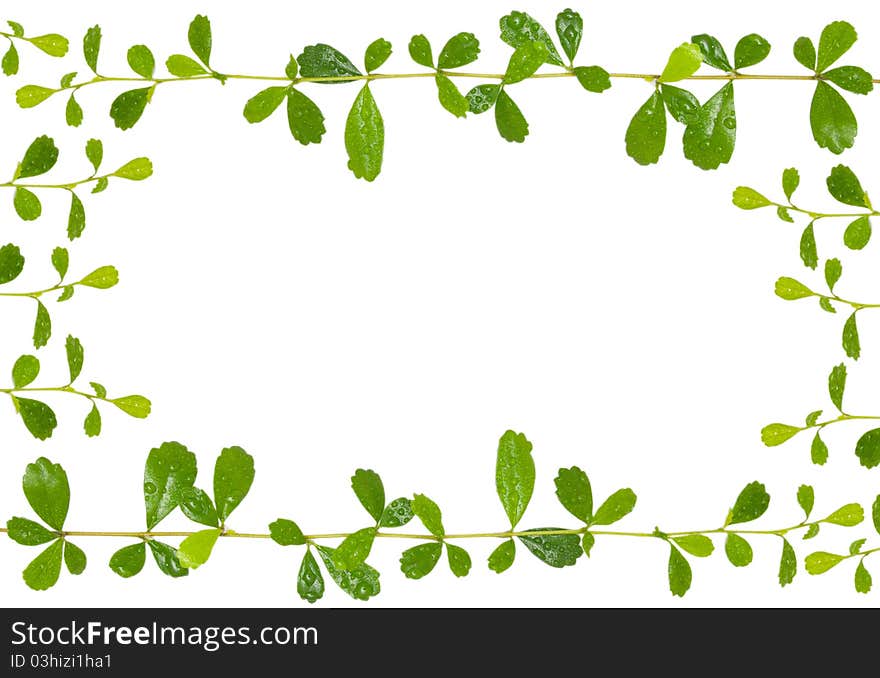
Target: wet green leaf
x: 593, y: 78
x: 791, y: 179
x: 420, y: 560
x: 847, y: 516
x: 377, y: 54
x: 459, y: 560
x: 365, y: 136
x: 199, y: 36
x: 750, y: 505
x: 38, y: 418
x: 574, y: 493
x: 73, y: 113
x: 74, y: 558
x: 47, y: 491
x: 309, y: 580
x: 837, y: 385
x: 835, y: 41
x: 832, y: 120
x: 286, y: 533
x: 135, y: 170
x: 169, y: 471
x: 821, y: 561
x: 818, y: 450
x: 198, y: 507
x: 233, y: 476
x: 518, y: 28
x: 166, y: 559
x: 141, y: 61
x: 646, y: 134
x: 851, y: 342
x: 482, y: 97
x: 787, y: 564
x: 304, y: 118
x: 75, y: 357
x: 696, y: 544
x: 712, y: 52
x: 182, y: 66
x: 710, y: 139
x: 868, y: 448
x: 750, y: 50
x: 28, y: 533
x: 511, y: 123
x: 809, y: 255
x: 25, y: 370
x: 420, y: 51
x: 10, y: 62
x: 858, y: 233
x: 502, y: 556
x: 851, y: 78
x: 429, y: 513
x: 557, y: 550
x: 32, y: 95
x: 368, y: 488
x: 264, y: 103
x: 323, y: 61
x: 362, y: 583
x: 92, y: 423
x: 195, y: 550
x: 525, y: 62
x: 514, y: 475
x: 129, y: 560
x: 679, y: 572
x: 791, y: 290
x: 749, y: 199
x: 684, y: 61
x: 617, y: 506
x: 101, y: 278
x: 52, y: 44
x: 570, y: 29
x: 398, y: 513
x: 738, y: 550
x: 806, y: 497
x: 134, y: 406
x: 44, y: 570
x: 450, y: 98
x: 11, y: 263
x: 42, y: 326
x: 128, y: 107
x: 863, y: 580
x: 681, y: 104
x: 92, y: 47
x: 845, y: 187
x: 461, y: 49
x: 355, y: 548
x: 39, y: 158
x: 833, y: 271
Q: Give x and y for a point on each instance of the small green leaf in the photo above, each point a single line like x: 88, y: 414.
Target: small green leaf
x: 809, y: 255
x: 712, y: 52
x: 511, y: 124
x: 128, y: 107
x: 791, y: 179
x: 856, y: 547
x: 365, y: 136
x: 502, y: 556
x: 304, y: 118
x: 25, y: 370
x: 837, y: 385
x: 420, y: 51
x: 750, y: 50
x: 460, y: 50
x: 233, y: 477
x: 835, y: 41
x: 847, y: 516
x: 198, y: 507
x: 482, y: 97
x: 518, y: 28
x: 195, y: 550
x: 92, y: 423
x: 39, y: 158
x: 67, y: 79
x: 821, y: 561
x: 812, y: 531
x: 182, y: 66
x: 587, y: 543
x: 199, y: 36
x: 75, y: 356
x: 459, y: 560
x: 749, y: 199
x: 309, y: 580
x: 377, y: 54
x: 787, y: 564
x: 286, y: 533
x: 99, y: 390
x: 570, y: 29
x: 524, y: 62
x: 851, y: 78
x: 791, y: 290
x: 129, y: 560
x: 684, y: 61
x: 858, y: 233
x: 514, y: 475
x: 32, y: 95
x: 60, y: 261
x: 646, y: 134
x: 813, y: 417
x: 355, y: 548
x: 833, y: 271
x: 368, y: 488
x: 806, y: 497
x: 95, y: 152
x: 362, y: 583
x: 710, y: 139
x: 76, y: 220
x: 10, y: 62
x: 738, y: 550
x: 418, y: 561
x: 557, y: 550
x: 574, y: 493
x: 17, y: 29
x: 11, y: 263
x: 826, y: 306
x: 28, y: 533
x: 73, y: 113
x: 875, y: 514
x: 44, y: 570
x: 166, y: 559
x: 134, y: 406
x: 696, y: 544
x: 52, y: 44
x: 450, y: 98
x: 818, y: 450
x: 618, y: 505
x: 92, y: 47
x: 679, y: 571
x: 38, y: 418
x: 868, y: 448
x: 47, y: 491
x: 750, y: 505
x: 101, y: 278
x: 74, y: 558
x: 805, y: 53
x: 323, y: 61
x: 263, y: 104
x: 429, y: 513
x: 142, y: 61
x: 292, y: 68
x: 863, y: 580
x: 832, y: 120
x: 398, y: 513
x: 851, y: 338
x: 135, y: 170
x: 593, y: 78
x: 169, y: 471
x: 42, y: 326
x: 845, y: 187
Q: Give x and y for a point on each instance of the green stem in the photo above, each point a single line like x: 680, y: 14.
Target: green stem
x: 843, y: 417
x: 854, y: 304
x: 54, y: 389
x: 36, y: 295
x: 66, y: 187
x: 828, y: 215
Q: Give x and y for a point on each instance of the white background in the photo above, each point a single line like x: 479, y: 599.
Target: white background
x: 622, y: 317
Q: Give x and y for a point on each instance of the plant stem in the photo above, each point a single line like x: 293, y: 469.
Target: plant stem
x: 843, y: 417
x: 54, y: 389
x: 854, y: 304
x: 823, y: 215
x: 67, y: 187
x: 36, y: 295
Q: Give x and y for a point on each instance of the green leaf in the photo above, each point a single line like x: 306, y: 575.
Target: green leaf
x: 837, y: 385
x: 25, y: 370
x: 9, y: 63
x: 574, y: 493
x: 524, y: 62
x: 76, y: 220
x: 32, y: 95
x: 459, y: 560
x: 42, y: 326
x: 286, y: 533
x: 791, y: 179
x: 709, y: 140
x: 323, y: 61
x: 696, y: 544
x: 128, y: 107
x: 44, y: 570
x: 101, y: 278
x: 73, y: 113
x: 17, y: 29
x: 398, y: 513
x: 784, y: 214
x: 684, y: 61
x: 198, y: 507
x: 832, y: 120
x: 92, y: 47
x: 851, y: 338
x: 502, y: 556
x: 833, y: 271
x: 418, y: 561
x: 355, y: 548
x: 738, y: 550
x: 509, y: 120
x: 304, y: 118
x: 570, y: 29
x: 682, y: 105
x: 856, y: 547
x: 750, y: 50
x: 518, y: 28
x: 135, y: 170
x: 646, y: 134
x: 67, y: 79
x: 74, y: 558
x: 514, y: 475
x: 806, y: 497
x: 791, y: 290
x: 11, y: 263
x: 52, y: 44
x: 847, y: 516
x: 826, y: 306
x: 809, y: 255
x: 170, y: 469
x: 368, y: 488
x: 142, y: 61
x: 233, y: 476
x: 182, y: 66
x: 482, y: 97
x: 557, y: 550
x: 813, y: 417
x: 429, y: 513
x: 263, y: 104
x: 39, y: 158
x: 129, y: 560
x: 587, y: 543
x: 858, y: 233
x: 868, y: 448
x: 95, y: 152
x: 60, y: 261
x: 461, y: 49
x: 805, y: 53
x: 195, y: 550
x: 99, y: 390
x: 818, y: 450
x: 47, y: 491
x: 593, y: 78
x: 712, y: 52
x: 134, y: 406
x: 92, y: 423
x: 166, y: 559
x: 450, y: 98
x: 787, y: 564
x: 75, y: 356
x: 749, y: 199
x: 27, y: 532
x: 845, y: 187
x: 38, y: 418
x: 617, y: 506
x: 362, y: 583
x: 365, y: 136
x: 851, y: 78
x: 377, y: 54
x: 821, y: 561
x: 420, y: 51
x: 750, y: 505
x: 199, y: 36
x: 862, y: 578
x: 875, y: 514
x: 835, y: 41
x: 309, y: 580
x: 812, y: 531
x: 679, y: 571
x: 292, y: 68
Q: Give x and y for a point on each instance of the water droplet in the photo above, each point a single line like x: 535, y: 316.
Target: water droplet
x: 149, y: 488
x: 729, y: 123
